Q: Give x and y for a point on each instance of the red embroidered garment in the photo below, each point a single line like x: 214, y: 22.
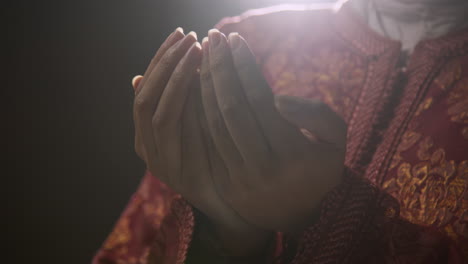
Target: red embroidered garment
x: 404, y: 198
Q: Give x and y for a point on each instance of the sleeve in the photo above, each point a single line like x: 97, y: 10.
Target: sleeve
x: 360, y: 224
x: 357, y: 222
x: 153, y: 213
x: 157, y: 225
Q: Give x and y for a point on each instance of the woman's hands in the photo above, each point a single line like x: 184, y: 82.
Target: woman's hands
x: 230, y: 147
x: 170, y: 139
x: 272, y: 175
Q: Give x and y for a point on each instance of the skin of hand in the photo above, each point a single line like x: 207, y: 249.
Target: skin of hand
x: 233, y: 150
x: 269, y: 172
x: 170, y: 138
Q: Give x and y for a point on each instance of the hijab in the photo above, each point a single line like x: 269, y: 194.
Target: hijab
x: 410, y: 21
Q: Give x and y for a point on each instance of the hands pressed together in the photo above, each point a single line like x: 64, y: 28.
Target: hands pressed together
x: 208, y: 125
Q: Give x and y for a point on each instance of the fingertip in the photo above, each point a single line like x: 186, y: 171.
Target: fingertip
x: 205, y: 44
x: 193, y: 35
x: 179, y: 33
x: 136, y: 80
x: 180, y: 30
x: 196, y: 48
x: 215, y: 37
x: 194, y: 54
x: 234, y: 40
x: 213, y: 31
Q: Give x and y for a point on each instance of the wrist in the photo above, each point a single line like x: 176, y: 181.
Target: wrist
x: 235, y: 241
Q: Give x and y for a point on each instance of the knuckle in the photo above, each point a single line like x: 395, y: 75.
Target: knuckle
x: 165, y: 61
x: 177, y: 78
x: 229, y: 106
x: 205, y: 76
x: 216, y: 62
x: 141, y: 104
x: 160, y: 122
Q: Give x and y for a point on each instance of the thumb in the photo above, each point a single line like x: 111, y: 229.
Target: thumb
x: 136, y: 81
x: 315, y: 117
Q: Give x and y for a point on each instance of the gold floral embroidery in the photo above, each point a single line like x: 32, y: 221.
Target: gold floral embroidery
x: 333, y: 76
x: 155, y: 211
x: 449, y: 75
x: 276, y: 64
x: 465, y: 132
x: 458, y: 102
x: 424, y: 106
x: 285, y: 80
x: 432, y: 191
x: 408, y: 140
x: 341, y: 70
x: 120, y: 235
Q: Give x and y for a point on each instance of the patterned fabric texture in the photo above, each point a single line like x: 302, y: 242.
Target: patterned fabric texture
x: 405, y: 194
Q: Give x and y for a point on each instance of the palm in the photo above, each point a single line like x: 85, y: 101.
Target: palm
x: 275, y: 175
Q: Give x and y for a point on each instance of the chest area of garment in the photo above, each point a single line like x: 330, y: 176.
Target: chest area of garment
x: 426, y: 166
x: 337, y: 76
x: 407, y: 132
x: 330, y: 74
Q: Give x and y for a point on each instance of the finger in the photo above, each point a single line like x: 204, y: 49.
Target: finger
x: 201, y: 159
x: 192, y: 132
x: 136, y: 81
x: 166, y: 121
x: 175, y: 36
x: 258, y: 93
x: 147, y: 99
x: 216, y: 163
x: 214, y: 120
x: 138, y: 148
x: 314, y: 116
x: 197, y: 155
x: 238, y: 117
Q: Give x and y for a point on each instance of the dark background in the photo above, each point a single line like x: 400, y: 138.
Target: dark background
x: 70, y: 165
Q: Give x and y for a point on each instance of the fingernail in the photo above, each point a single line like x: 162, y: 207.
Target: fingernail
x: 197, y: 46
x: 195, y: 52
x: 205, y: 43
x: 193, y: 34
x: 134, y: 80
x: 181, y: 30
x: 214, y: 36
x: 234, y: 40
